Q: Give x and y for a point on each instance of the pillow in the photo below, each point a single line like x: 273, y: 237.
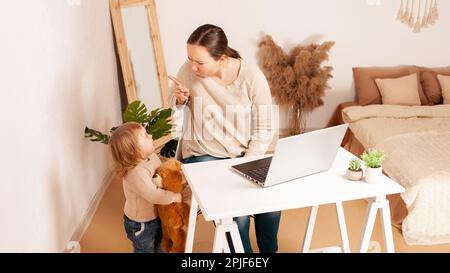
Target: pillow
x: 445, y: 86
x: 430, y: 83
x: 400, y: 91
x: 366, y: 88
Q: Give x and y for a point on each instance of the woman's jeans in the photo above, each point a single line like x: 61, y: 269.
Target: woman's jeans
x: 266, y: 224
x: 266, y: 227
x: 146, y: 237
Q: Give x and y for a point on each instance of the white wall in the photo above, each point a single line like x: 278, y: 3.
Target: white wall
x: 365, y: 35
x: 57, y: 74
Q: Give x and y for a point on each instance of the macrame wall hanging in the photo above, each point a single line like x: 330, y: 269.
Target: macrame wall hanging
x: 418, y: 14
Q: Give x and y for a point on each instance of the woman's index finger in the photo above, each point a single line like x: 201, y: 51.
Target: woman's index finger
x: 175, y: 80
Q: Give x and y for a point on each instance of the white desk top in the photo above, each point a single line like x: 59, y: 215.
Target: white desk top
x: 222, y: 193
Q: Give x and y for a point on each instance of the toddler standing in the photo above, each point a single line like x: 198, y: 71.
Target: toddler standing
x: 136, y: 162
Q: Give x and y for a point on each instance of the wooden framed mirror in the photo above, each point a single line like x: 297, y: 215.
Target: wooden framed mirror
x: 141, y: 56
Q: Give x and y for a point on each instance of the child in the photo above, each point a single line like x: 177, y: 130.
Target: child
x: 133, y: 153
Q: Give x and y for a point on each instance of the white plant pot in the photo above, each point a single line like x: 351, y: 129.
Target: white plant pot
x: 354, y: 176
x: 373, y: 175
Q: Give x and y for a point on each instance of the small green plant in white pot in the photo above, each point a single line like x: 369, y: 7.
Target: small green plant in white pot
x: 373, y: 159
x: 354, y: 171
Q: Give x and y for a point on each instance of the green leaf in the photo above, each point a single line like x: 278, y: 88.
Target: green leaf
x: 355, y: 165
x: 159, y: 129
x: 136, y: 111
x: 373, y: 158
x: 154, y: 113
x: 157, y: 123
x: 159, y: 113
x: 165, y: 113
x: 95, y: 135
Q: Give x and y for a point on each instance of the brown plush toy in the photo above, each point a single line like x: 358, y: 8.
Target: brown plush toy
x: 174, y: 217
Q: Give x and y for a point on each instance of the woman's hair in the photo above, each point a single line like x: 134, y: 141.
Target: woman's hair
x: 214, y: 40
x: 125, y: 148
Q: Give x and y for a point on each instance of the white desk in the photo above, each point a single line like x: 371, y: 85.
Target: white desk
x: 222, y: 194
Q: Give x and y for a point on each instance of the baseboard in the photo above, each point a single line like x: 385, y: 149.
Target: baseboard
x: 73, y: 246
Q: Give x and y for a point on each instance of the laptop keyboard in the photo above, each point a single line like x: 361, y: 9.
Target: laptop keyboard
x: 260, y: 173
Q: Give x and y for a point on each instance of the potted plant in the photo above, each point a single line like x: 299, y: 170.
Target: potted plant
x: 354, y: 171
x: 297, y: 79
x: 373, y: 159
x: 157, y: 123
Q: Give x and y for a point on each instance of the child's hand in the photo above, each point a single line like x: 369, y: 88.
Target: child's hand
x: 178, y: 198
x: 157, y: 180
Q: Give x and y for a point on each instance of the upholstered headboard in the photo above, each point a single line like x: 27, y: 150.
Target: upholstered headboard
x: 429, y: 89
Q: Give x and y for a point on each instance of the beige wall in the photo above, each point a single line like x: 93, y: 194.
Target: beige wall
x: 57, y: 74
x: 364, y: 34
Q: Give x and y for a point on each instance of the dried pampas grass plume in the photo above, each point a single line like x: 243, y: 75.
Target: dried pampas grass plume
x: 297, y: 79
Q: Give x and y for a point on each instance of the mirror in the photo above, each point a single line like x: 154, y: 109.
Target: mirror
x: 139, y: 45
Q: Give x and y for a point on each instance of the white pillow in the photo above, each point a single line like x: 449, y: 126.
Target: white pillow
x: 445, y: 86
x: 399, y: 91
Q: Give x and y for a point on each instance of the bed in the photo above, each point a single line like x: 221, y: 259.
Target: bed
x: 414, y: 131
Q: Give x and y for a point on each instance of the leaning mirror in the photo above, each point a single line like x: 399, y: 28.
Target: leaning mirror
x: 139, y: 45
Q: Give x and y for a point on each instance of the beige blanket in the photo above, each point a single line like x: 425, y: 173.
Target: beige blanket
x: 417, y: 142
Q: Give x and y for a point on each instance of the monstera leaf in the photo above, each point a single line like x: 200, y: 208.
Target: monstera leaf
x: 136, y: 111
x: 95, y: 136
x: 156, y: 123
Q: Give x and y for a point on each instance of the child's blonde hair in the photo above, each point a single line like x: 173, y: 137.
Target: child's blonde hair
x: 125, y: 148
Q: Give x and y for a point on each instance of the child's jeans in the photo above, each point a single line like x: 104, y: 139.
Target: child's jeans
x: 146, y: 237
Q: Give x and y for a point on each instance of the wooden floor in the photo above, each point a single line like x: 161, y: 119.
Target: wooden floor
x: 106, y: 233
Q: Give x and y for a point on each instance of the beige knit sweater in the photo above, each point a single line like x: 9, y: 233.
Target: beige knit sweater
x: 226, y: 121
x: 142, y: 194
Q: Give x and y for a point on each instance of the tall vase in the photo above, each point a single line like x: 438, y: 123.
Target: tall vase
x: 297, y: 119
x: 373, y: 175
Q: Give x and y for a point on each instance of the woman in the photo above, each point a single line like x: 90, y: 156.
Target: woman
x: 225, y: 97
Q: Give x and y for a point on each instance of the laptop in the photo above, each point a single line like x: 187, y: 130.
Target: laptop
x: 295, y: 157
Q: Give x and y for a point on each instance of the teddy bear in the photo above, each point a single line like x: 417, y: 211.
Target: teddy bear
x: 175, y: 216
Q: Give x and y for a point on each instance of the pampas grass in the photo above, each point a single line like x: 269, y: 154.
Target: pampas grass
x: 296, y: 79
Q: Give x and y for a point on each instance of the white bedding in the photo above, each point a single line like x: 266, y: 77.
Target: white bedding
x: 416, y: 140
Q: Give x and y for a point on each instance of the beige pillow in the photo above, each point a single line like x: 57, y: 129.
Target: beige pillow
x: 445, y: 86
x: 366, y: 88
x: 400, y: 91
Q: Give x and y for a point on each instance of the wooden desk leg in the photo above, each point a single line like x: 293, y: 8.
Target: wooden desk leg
x: 342, y: 227
x: 371, y: 212
x: 191, y: 225
x: 387, y: 228
x: 310, y: 229
x: 220, y: 242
